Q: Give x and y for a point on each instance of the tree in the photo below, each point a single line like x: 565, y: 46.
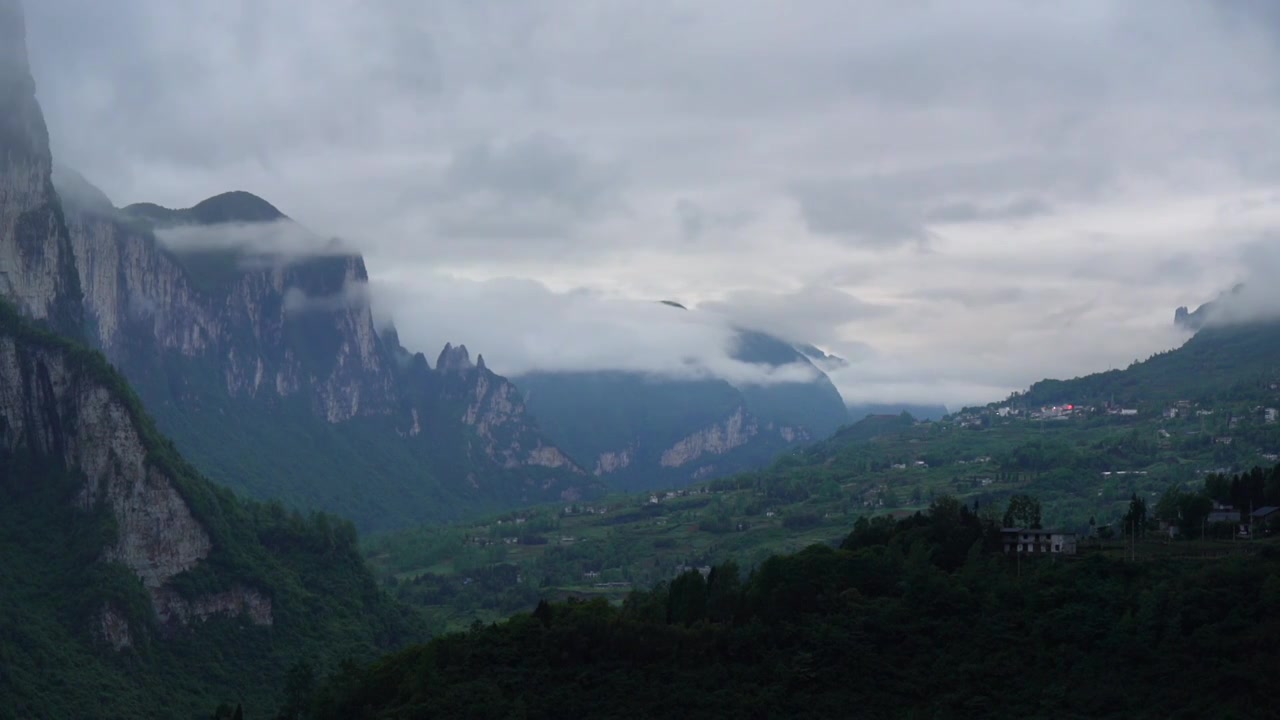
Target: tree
x: 1023, y: 511
x: 1135, y: 520
x: 687, y: 599
x: 299, y: 686
x: 723, y: 587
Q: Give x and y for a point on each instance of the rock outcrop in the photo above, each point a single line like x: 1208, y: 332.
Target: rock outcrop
x: 736, y: 431
x: 37, y: 271
x: 144, y: 299
x: 50, y: 407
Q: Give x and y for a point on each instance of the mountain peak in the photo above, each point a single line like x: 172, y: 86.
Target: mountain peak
x: 452, y: 358
x: 235, y: 206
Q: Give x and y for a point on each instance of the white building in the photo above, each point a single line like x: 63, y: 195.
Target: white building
x: 1033, y: 541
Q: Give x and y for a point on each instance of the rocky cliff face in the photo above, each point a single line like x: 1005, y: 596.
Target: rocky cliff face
x: 51, y: 408
x: 215, y: 332
x: 736, y: 431
x: 36, y: 267
x: 276, y: 327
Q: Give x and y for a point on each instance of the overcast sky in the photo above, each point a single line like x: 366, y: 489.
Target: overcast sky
x: 960, y: 197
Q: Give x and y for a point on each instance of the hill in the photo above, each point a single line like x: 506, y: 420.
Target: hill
x: 920, y: 617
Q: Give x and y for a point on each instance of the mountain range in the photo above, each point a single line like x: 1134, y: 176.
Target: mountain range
x: 268, y: 370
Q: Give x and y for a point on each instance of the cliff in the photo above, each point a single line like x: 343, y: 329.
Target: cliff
x: 131, y: 586
x: 253, y: 342
x: 36, y: 267
x: 57, y: 406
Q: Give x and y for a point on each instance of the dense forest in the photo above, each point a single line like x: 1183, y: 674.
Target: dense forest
x: 917, y: 617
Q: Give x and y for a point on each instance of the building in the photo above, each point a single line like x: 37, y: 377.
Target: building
x: 1265, y: 517
x: 1038, y: 541
x: 1223, y: 514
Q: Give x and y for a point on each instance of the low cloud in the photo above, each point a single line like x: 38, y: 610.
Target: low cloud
x: 280, y: 240
x: 1256, y: 298
x: 521, y: 326
x: 811, y: 314
x: 535, y: 187
x: 859, y: 212
x: 353, y: 295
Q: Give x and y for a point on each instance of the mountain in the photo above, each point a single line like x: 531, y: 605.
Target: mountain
x: 638, y: 431
x: 1213, y: 310
x: 131, y: 586
x: 252, y: 342
x: 917, y: 411
x: 1217, y: 361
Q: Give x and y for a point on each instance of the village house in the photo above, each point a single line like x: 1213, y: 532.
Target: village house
x: 1037, y: 541
x: 1223, y: 514
x: 1265, y: 517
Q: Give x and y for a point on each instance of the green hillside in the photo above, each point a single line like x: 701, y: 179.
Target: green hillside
x: 1217, y: 363
x: 919, y: 618
x: 1085, y: 466
x: 54, y: 662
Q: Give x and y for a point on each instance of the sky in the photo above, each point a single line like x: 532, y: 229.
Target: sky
x: 959, y: 198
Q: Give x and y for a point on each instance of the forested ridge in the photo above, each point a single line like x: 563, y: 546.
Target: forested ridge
x: 918, y: 617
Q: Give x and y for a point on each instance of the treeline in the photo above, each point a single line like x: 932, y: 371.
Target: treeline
x: 919, y: 617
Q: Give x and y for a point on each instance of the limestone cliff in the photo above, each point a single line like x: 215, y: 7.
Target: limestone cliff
x: 735, y: 431
x: 230, y: 340
x: 36, y: 266
x: 245, y: 317
x: 53, y: 407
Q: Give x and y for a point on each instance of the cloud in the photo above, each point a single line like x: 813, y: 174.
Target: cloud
x: 353, y: 295
x: 861, y: 212
x: 282, y: 239
x: 810, y: 312
x: 536, y: 186
x: 696, y: 220
x: 1256, y: 297
x: 965, y: 211
x: 526, y: 327
x: 959, y: 197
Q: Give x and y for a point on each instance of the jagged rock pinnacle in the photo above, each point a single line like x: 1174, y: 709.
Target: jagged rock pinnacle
x: 454, y: 359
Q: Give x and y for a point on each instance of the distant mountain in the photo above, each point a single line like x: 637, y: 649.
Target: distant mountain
x: 231, y: 207
x: 821, y: 358
x: 1217, y: 360
x: 1198, y: 318
x: 268, y: 371
x: 637, y: 431
x: 919, y: 412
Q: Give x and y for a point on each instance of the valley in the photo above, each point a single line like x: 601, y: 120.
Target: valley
x: 1083, y: 464
x: 234, y: 484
